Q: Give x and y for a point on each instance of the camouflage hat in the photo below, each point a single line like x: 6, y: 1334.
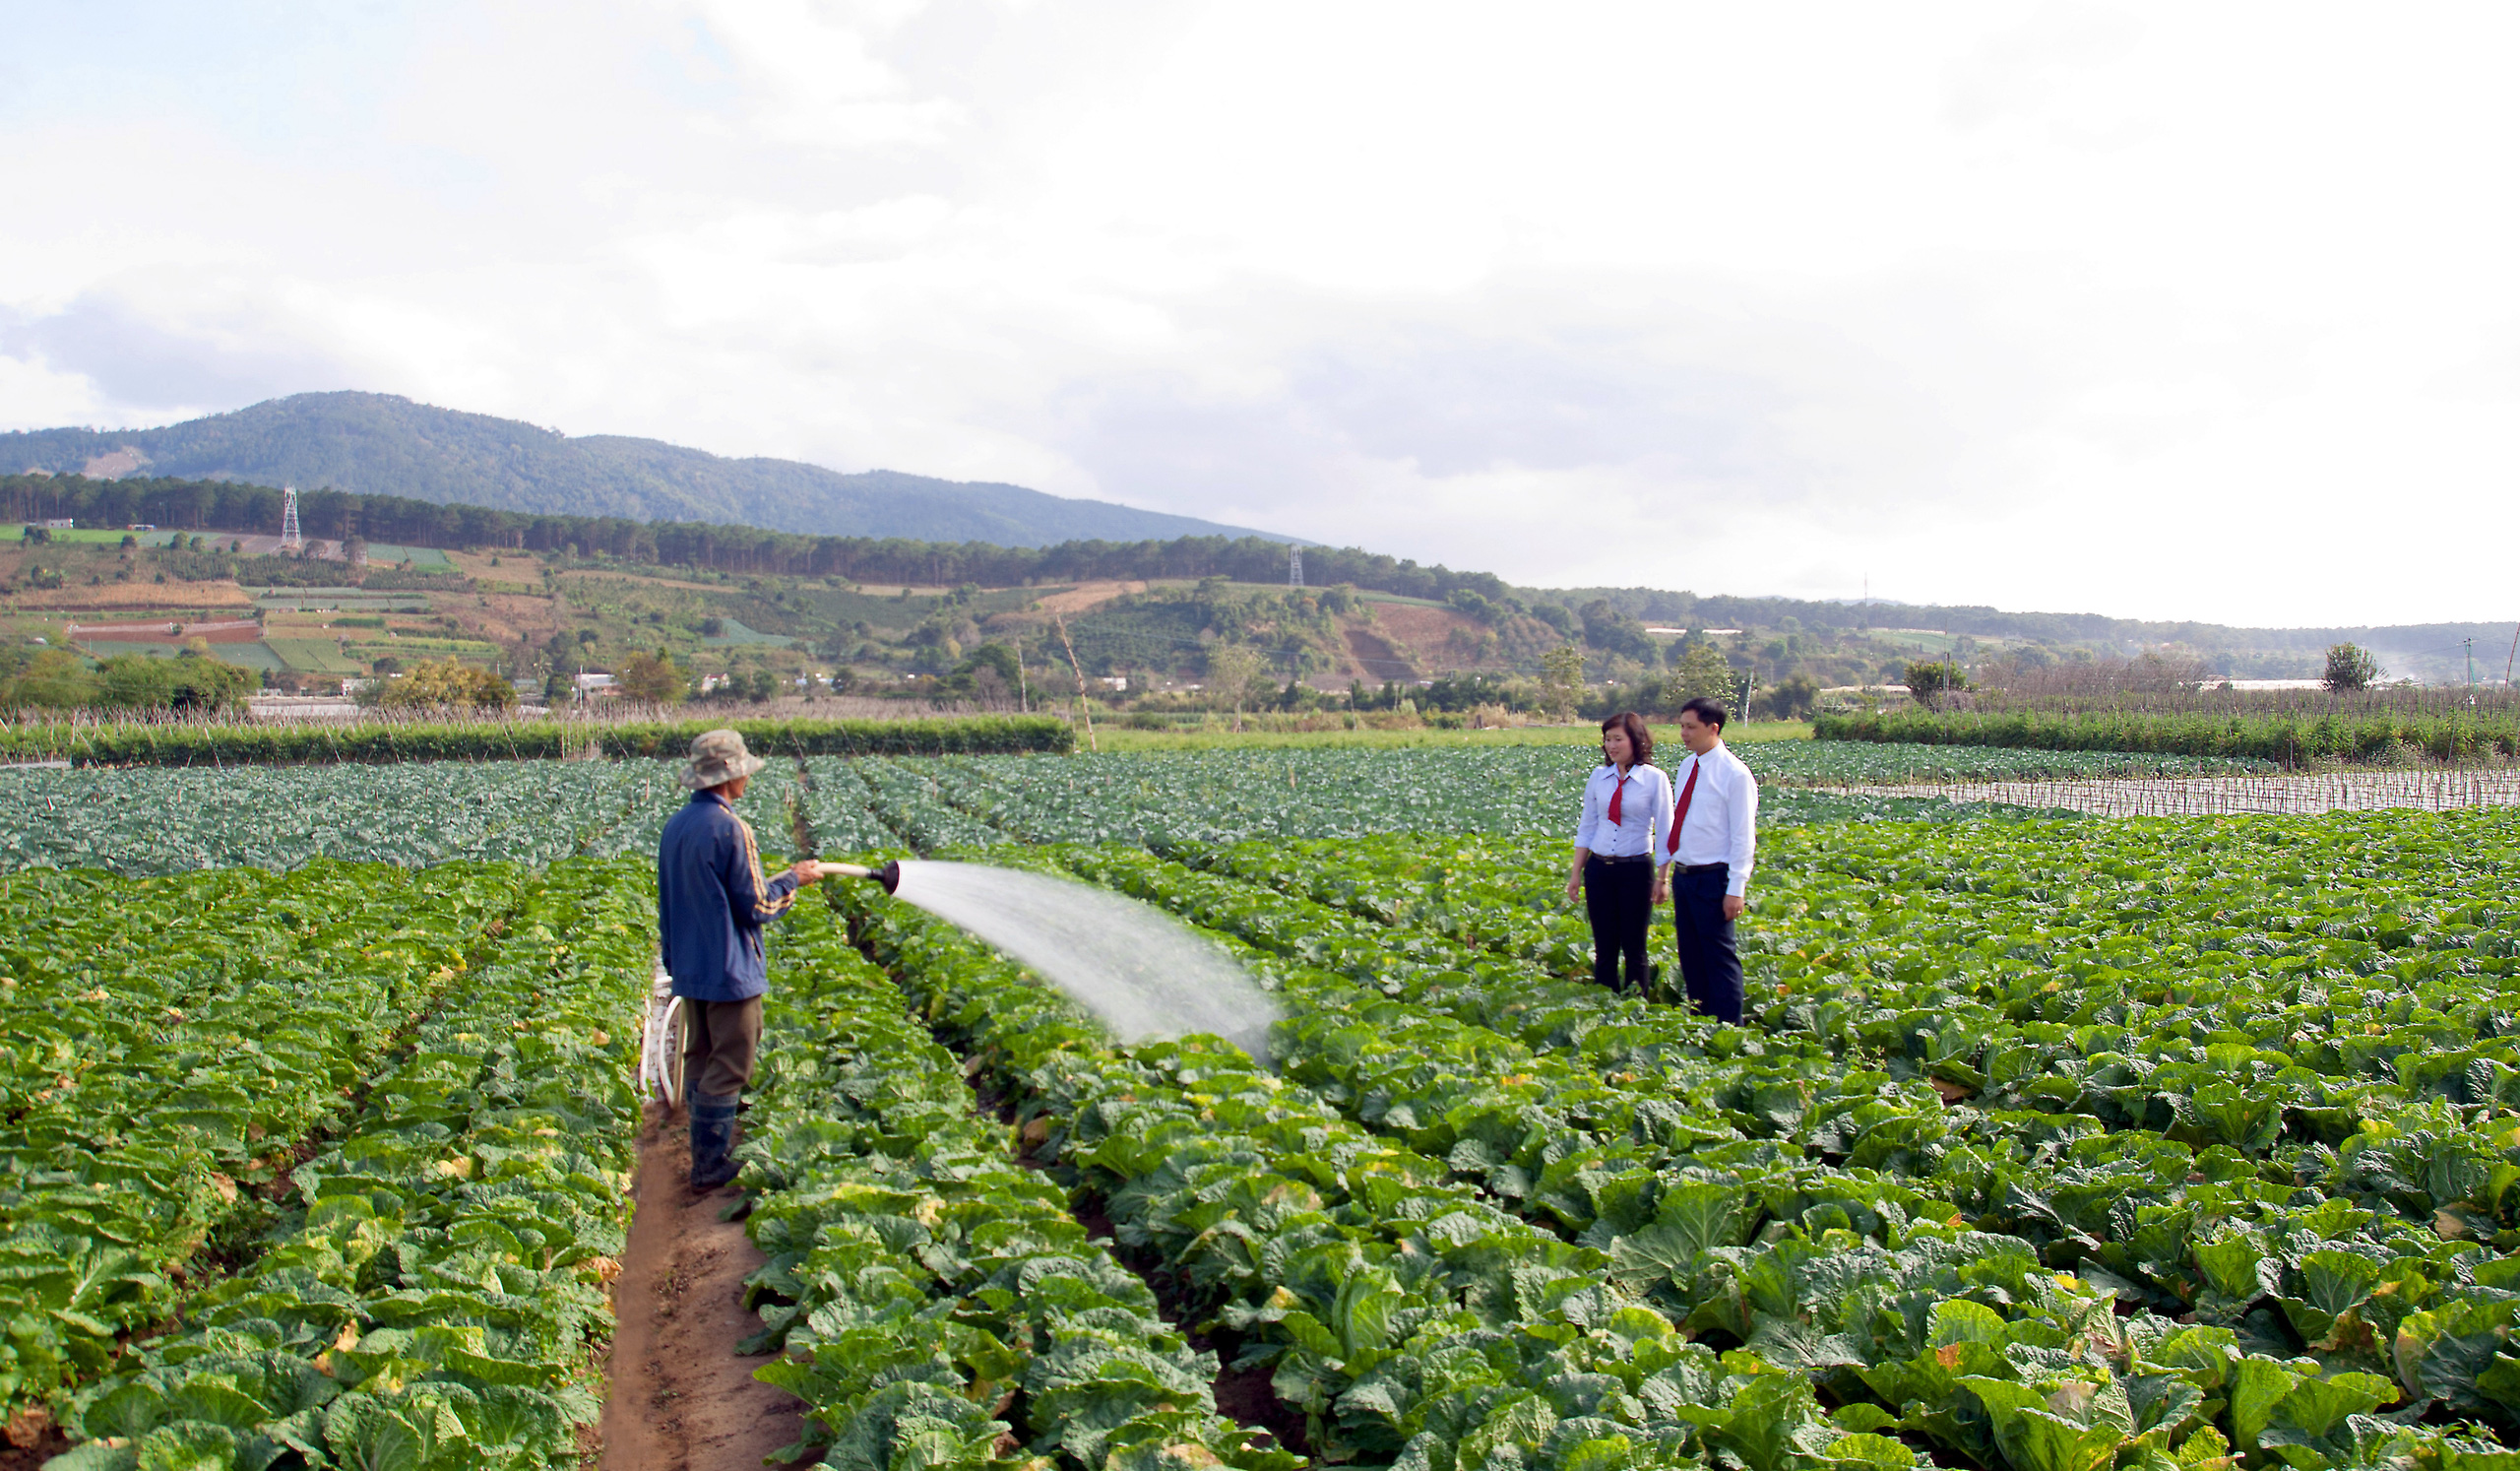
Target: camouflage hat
x: 718, y: 756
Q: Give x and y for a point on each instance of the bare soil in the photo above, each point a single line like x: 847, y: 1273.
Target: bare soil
x: 588, y: 575
x: 682, y: 1399
x: 1375, y: 657
x: 1442, y: 637
x: 31, y: 1439
x: 1086, y: 595
x: 134, y: 595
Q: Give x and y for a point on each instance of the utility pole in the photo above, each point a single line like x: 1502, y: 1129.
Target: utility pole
x: 2516, y: 655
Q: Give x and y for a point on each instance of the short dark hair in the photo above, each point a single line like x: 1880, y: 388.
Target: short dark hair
x: 1707, y: 709
x: 1640, y: 740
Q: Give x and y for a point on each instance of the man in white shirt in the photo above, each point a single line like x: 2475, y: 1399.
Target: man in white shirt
x: 1714, y: 839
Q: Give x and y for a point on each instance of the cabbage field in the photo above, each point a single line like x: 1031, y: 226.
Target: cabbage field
x: 290, y: 1181
x: 2048, y: 1143
x: 172, y: 819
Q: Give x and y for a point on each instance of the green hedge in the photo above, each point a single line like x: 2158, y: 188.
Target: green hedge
x: 143, y: 744
x: 2288, y: 739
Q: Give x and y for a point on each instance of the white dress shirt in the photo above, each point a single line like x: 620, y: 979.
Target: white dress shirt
x: 1723, y: 822
x: 1644, y: 813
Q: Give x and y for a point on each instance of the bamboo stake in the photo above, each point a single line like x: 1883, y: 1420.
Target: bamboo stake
x: 1082, y: 704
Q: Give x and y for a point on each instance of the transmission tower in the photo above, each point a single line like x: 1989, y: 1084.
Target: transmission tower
x: 290, y: 539
x: 1294, y: 566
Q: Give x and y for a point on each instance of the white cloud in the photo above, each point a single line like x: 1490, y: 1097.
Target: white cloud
x: 809, y: 75
x: 2200, y: 313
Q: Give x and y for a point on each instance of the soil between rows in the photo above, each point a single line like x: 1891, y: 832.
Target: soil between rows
x: 681, y: 1398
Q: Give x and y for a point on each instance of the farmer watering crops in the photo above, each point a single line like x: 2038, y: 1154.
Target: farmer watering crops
x: 1714, y: 837
x: 1627, y: 804
x: 711, y: 904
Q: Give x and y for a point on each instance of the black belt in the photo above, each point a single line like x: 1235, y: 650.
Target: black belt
x: 1701, y: 868
x: 1633, y: 858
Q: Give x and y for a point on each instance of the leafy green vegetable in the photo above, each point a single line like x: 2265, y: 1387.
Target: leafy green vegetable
x: 428, y: 1298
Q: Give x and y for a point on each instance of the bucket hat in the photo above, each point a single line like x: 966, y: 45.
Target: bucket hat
x: 718, y: 756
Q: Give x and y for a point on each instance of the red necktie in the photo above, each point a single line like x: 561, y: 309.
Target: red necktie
x: 1617, y: 793
x: 1688, y: 789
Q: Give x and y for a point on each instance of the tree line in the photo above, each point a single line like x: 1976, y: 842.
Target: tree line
x: 328, y: 514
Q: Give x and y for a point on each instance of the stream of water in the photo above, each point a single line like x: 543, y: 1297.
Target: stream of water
x: 1142, y: 973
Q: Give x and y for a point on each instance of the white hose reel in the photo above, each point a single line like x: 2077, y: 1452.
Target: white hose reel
x: 661, y: 1042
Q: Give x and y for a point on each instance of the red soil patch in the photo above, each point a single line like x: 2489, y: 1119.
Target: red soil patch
x: 1425, y: 630
x: 1374, y: 658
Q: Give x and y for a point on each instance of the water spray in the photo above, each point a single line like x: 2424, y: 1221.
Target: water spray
x: 1141, y: 972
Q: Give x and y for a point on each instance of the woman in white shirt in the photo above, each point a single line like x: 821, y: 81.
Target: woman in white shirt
x: 1627, y: 804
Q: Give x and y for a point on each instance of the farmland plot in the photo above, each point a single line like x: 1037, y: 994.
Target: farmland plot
x: 167, y: 819
x: 1230, y: 797
x: 2048, y: 1145
x: 1377, y: 1290
x: 766, y: 804
x: 924, y: 801
x: 1848, y: 1229
x: 838, y: 807
x: 1844, y: 763
x: 170, y: 1042
x: 419, y: 1236
x: 2238, y: 1081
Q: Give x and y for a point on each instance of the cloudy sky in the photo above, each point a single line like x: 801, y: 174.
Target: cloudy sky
x: 2152, y: 311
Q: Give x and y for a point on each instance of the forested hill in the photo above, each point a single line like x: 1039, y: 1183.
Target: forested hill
x: 229, y: 506
x: 2125, y: 635
x: 378, y: 444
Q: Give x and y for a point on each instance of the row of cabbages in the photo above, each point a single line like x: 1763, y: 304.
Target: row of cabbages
x: 937, y: 1299
x: 172, y: 1042
x: 436, y: 1296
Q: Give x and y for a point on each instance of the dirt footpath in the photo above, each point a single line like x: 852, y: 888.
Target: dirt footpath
x: 682, y: 1399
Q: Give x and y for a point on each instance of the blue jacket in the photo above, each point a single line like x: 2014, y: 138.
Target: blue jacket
x: 712, y: 902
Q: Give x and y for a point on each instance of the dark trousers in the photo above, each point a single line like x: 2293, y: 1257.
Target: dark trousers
x: 1619, y: 898
x: 1710, y: 967
x: 720, y: 1040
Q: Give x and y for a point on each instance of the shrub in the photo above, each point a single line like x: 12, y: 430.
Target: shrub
x: 444, y: 684
x: 2350, y: 666
x: 654, y: 678
x: 1794, y: 699
x: 139, y: 744
x: 1929, y: 679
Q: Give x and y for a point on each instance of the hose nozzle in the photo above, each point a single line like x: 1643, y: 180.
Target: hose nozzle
x: 889, y: 876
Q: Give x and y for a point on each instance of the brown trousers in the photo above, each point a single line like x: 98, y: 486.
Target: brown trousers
x: 720, y: 1040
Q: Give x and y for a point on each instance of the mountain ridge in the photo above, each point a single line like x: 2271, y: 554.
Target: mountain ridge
x: 384, y: 444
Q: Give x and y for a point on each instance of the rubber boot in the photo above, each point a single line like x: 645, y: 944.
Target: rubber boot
x: 712, y: 1138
